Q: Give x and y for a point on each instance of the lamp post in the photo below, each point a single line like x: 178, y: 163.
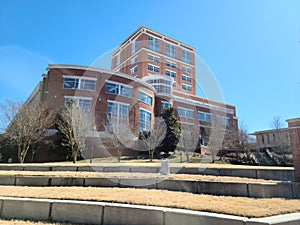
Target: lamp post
x: 92, y: 149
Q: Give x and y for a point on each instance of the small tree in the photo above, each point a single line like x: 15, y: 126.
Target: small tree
x: 173, y: 131
x: 188, y: 140
x: 74, y: 124
x: 276, y: 123
x: 151, y: 139
x: 25, y: 124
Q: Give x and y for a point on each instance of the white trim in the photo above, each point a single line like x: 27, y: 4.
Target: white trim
x: 187, y: 109
x: 114, y: 82
x: 78, y: 97
x: 183, y: 122
x: 145, y: 93
x: 79, y: 77
x: 120, y: 103
x: 146, y: 110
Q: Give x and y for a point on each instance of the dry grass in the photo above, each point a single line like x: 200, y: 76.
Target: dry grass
x: 130, y: 175
x: 239, y: 206
x: 27, y: 222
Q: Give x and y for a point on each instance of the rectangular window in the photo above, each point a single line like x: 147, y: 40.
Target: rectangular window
x: 186, y: 87
x: 145, y: 120
x: 145, y: 98
x: 165, y: 105
x: 153, y: 44
x: 170, y: 64
x: 171, y: 50
x: 166, y: 89
x: 79, y: 83
x: 117, y: 60
x: 186, y: 69
x: 223, y: 120
x: 201, y: 116
x: 118, y: 89
x: 153, y: 68
x: 171, y: 73
x: 153, y: 58
x: 134, y: 46
x: 133, y: 70
x: 186, y: 56
x: 116, y: 112
x: 83, y: 103
x: 186, y: 78
x: 187, y: 113
x: 134, y: 60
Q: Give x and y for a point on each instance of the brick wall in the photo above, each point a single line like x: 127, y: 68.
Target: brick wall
x: 294, y: 129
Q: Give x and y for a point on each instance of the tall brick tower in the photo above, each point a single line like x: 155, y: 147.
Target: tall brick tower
x: 294, y: 129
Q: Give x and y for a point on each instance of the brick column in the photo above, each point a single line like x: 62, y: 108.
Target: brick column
x: 294, y: 130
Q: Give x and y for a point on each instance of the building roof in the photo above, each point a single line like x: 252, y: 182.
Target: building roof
x: 269, y: 131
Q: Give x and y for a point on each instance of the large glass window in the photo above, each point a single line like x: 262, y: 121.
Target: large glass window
x: 165, y: 105
x: 145, y: 120
x: 134, y: 46
x: 187, y: 113
x: 171, y: 50
x: 186, y: 56
x: 202, y: 116
x: 118, y: 89
x: 84, y: 104
x: 116, y: 113
x: 145, y: 98
x: 79, y: 83
x: 153, y: 43
x: 153, y: 58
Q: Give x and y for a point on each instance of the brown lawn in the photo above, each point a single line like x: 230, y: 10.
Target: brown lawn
x: 25, y: 222
x: 239, y: 206
x: 130, y: 175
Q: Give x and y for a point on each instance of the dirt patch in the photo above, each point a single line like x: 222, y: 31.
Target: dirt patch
x: 239, y: 206
x: 132, y: 175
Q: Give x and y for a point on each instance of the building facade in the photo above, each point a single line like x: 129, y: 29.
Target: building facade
x: 150, y: 71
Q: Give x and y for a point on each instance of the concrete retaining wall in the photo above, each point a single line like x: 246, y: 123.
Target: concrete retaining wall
x: 122, y: 214
x: 288, y: 190
x: 282, y: 174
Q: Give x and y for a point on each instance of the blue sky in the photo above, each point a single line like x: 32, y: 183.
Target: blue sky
x: 252, y: 47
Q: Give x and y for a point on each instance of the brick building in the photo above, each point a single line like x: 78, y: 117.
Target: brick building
x: 150, y: 71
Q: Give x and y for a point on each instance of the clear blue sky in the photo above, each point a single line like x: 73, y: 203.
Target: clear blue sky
x: 251, y: 46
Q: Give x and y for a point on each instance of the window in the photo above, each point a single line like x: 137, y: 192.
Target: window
x: 118, y: 89
x: 170, y: 64
x: 186, y: 87
x: 153, y: 44
x: 171, y: 73
x: 186, y: 69
x: 145, y: 98
x: 186, y: 78
x: 145, y: 120
x: 223, y: 120
x: 165, y: 105
x: 171, y: 50
x: 153, y: 58
x: 153, y: 68
x: 117, y: 112
x: 117, y: 60
x: 186, y: 56
x: 202, y: 116
x: 83, y: 103
x: 79, y: 83
x: 187, y: 113
x: 174, y: 84
x: 166, y: 90
x: 134, y: 46
x: 133, y: 70
x: 134, y: 60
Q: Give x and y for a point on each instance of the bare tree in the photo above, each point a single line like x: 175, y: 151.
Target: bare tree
x: 25, y: 124
x: 151, y: 139
x: 74, y: 123
x: 118, y: 134
x: 188, y: 140
x: 216, y: 137
x: 276, y: 123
